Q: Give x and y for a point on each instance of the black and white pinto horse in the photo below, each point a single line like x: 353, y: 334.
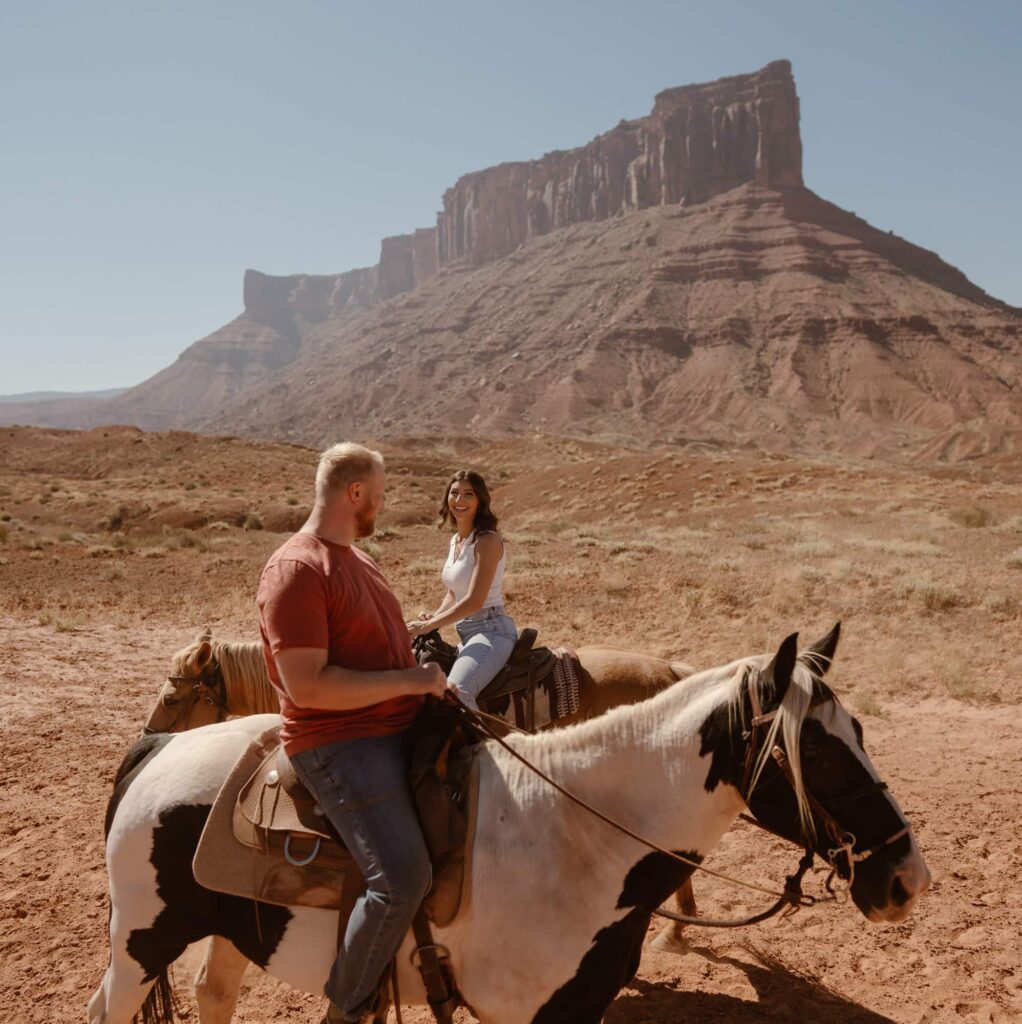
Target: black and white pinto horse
x: 559, y: 902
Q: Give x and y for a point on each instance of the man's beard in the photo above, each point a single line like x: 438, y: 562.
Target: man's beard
x: 365, y: 521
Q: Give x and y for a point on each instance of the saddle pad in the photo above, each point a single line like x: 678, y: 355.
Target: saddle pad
x: 272, y: 872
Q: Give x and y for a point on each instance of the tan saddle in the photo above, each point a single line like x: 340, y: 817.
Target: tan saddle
x: 267, y: 839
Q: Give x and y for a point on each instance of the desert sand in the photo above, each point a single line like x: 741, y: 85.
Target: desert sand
x: 117, y: 546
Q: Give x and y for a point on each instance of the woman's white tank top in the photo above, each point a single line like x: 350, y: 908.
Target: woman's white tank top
x: 457, y: 572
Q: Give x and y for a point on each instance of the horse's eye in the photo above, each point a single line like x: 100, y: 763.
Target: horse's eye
x: 810, y: 750
x: 169, y: 700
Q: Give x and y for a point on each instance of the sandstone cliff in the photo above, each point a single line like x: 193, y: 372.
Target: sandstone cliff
x: 699, y: 141
x: 673, y: 281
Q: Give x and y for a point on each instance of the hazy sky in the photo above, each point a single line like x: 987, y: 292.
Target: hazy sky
x: 152, y: 151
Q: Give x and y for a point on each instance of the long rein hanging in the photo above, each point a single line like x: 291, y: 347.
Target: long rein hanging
x: 792, y: 895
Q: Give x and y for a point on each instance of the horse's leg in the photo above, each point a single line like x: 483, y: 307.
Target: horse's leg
x: 672, y: 938
x: 123, y: 989
x: 219, y: 980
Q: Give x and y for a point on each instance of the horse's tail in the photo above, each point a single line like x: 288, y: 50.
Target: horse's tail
x: 159, y: 1005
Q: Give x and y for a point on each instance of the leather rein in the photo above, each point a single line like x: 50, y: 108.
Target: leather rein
x: 792, y: 896
x: 211, y: 689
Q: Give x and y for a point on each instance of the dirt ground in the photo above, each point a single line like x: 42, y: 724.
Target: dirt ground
x: 116, y: 546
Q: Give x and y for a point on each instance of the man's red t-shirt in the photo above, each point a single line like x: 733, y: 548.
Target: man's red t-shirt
x: 314, y: 593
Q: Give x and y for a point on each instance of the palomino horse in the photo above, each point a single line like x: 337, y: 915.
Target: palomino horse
x: 559, y: 901
x: 210, y: 680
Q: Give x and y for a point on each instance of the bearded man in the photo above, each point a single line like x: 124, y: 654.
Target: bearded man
x: 339, y: 655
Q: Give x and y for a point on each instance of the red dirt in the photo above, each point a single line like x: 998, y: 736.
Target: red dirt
x: 85, y: 640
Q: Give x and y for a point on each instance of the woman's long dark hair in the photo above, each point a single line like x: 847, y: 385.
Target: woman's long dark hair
x: 484, y: 518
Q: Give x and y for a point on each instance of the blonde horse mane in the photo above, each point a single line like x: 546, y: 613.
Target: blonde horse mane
x: 788, y: 722
x: 248, y: 685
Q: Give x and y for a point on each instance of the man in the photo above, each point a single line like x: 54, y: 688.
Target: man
x: 338, y: 652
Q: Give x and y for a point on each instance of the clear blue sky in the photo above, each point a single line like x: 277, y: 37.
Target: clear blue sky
x: 151, y: 151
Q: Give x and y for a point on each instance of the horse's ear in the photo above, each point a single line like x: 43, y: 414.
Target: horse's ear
x: 777, y: 675
x: 821, y: 654
x: 199, y: 658
x: 205, y: 636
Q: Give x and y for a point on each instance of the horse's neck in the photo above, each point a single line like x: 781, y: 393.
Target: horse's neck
x: 640, y: 765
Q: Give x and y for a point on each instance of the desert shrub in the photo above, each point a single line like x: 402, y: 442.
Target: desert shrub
x: 292, y: 500
x: 372, y: 550
x: 1015, y: 559
x: 175, y: 540
x: 961, y: 681
x: 252, y: 522
x: 1000, y: 604
x: 60, y: 621
x: 3, y: 534
x: 935, y: 597
x: 896, y: 546
x: 386, y: 533
x: 1011, y: 525
x: 5, y: 517
x: 114, y: 574
x: 100, y: 551
x: 972, y: 517
x: 813, y: 549
x: 868, y: 704
x: 219, y: 526
x: 811, y: 573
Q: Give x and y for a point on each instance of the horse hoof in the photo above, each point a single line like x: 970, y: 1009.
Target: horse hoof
x: 669, y: 941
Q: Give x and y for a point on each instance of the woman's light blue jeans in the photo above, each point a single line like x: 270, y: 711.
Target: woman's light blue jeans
x: 487, y: 640
x: 362, y: 786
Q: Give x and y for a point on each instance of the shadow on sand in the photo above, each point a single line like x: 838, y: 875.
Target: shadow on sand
x: 784, y: 995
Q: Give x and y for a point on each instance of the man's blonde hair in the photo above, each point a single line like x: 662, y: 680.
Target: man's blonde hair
x: 343, y: 464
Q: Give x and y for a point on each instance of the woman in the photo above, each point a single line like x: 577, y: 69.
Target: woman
x: 472, y: 574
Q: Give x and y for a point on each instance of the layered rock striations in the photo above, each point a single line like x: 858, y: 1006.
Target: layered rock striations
x: 765, y: 317
x: 699, y: 141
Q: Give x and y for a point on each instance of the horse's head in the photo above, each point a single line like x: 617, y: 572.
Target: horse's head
x: 193, y: 694
x: 807, y: 777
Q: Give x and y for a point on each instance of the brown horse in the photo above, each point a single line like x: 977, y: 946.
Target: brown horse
x: 211, y: 680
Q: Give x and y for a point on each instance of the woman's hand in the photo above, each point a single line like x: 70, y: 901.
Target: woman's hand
x: 419, y: 626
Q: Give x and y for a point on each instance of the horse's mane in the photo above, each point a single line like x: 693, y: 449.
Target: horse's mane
x: 788, y: 722
x: 727, y: 683
x: 245, y: 676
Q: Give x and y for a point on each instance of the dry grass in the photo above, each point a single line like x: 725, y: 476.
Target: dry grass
x: 773, y: 545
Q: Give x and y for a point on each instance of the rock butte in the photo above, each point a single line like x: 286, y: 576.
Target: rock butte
x: 672, y: 281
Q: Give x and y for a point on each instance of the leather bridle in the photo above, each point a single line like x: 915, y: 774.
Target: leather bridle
x: 845, y: 842
x: 210, y: 688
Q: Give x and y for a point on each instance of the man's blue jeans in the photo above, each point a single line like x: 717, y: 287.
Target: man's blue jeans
x: 362, y: 787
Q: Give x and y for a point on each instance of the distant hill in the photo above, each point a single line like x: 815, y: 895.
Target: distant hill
x: 673, y: 282
x: 50, y: 396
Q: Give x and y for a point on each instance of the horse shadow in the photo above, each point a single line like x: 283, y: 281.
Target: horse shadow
x: 785, y: 996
